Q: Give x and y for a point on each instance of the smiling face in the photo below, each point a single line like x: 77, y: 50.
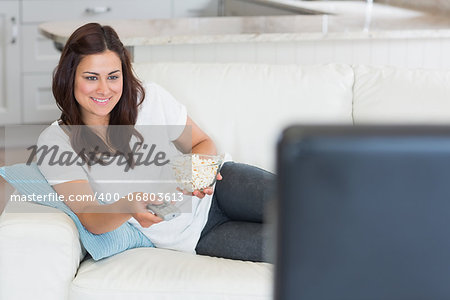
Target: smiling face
x: 98, y: 86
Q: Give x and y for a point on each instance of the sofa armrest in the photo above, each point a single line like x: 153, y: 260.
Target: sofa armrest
x: 39, y: 253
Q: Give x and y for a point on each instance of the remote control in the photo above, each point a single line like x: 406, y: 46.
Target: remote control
x: 166, y: 211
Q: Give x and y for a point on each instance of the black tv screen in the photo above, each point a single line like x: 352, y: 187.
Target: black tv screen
x: 363, y: 213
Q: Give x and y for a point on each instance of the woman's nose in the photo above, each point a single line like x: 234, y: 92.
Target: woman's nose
x: 102, y: 87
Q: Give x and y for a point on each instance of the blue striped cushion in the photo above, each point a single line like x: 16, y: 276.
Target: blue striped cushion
x: 28, y: 180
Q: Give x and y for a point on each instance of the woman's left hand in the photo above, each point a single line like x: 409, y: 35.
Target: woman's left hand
x: 207, y: 191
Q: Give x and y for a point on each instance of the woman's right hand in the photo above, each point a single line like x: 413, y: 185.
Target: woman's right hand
x: 138, y: 206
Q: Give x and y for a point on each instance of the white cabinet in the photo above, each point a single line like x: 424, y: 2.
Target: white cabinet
x: 35, y: 11
x: 38, y: 52
x: 9, y: 63
x: 38, y: 98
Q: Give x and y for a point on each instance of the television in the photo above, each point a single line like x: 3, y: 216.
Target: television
x: 363, y: 212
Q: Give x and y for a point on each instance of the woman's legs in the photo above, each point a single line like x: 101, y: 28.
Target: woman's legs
x: 234, y: 228
x: 235, y: 240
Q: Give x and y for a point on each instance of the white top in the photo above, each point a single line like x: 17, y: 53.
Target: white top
x: 111, y: 182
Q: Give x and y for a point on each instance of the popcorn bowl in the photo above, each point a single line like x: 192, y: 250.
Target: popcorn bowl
x: 196, y: 171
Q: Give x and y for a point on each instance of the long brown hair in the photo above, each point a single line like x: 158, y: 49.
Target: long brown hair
x: 93, y: 38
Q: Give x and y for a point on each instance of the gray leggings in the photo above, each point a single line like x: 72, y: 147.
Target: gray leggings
x: 234, y: 228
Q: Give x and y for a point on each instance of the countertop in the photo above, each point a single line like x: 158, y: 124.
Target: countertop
x: 342, y: 20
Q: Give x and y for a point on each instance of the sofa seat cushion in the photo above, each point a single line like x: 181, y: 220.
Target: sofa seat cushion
x: 151, y: 273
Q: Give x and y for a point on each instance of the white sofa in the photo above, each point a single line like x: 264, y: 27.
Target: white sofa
x: 243, y: 107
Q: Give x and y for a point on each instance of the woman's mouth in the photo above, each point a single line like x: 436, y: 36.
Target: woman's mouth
x: 101, y: 101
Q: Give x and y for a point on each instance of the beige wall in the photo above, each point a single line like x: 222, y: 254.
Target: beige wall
x: 429, y: 5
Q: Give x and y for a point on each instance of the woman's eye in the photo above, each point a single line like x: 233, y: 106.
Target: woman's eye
x: 91, y: 78
x: 113, y: 77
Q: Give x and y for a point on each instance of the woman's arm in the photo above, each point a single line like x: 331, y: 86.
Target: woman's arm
x: 194, y: 139
x: 98, y: 218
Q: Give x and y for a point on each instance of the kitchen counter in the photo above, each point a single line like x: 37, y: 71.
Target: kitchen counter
x: 328, y: 7
x: 343, y: 20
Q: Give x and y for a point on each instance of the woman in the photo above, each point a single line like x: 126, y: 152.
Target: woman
x: 95, y: 88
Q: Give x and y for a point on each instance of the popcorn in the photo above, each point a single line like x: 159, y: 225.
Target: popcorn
x: 196, y: 171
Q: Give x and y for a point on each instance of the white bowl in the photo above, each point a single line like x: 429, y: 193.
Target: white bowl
x: 196, y: 171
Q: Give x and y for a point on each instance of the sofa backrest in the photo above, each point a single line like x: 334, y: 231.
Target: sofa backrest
x: 400, y: 96
x: 244, y: 107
